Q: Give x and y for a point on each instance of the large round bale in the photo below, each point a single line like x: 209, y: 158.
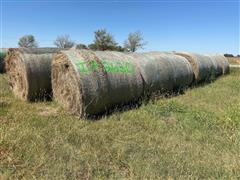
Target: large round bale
x: 203, y: 67
x: 3, y: 53
x: 217, y: 67
x: 221, y: 62
x: 89, y: 83
x: 29, y: 72
x: 163, y: 72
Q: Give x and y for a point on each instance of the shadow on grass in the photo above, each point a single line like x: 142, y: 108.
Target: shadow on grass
x: 145, y: 99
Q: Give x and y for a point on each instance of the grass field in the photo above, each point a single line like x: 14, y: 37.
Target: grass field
x: 194, y: 135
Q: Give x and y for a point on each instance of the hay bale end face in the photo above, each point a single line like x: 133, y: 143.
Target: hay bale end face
x: 29, y: 72
x: 89, y: 83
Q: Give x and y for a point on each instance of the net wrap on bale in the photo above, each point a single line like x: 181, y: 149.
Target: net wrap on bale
x: 163, y: 72
x: 202, y: 65
x: 29, y: 72
x: 88, y: 83
x: 222, y: 63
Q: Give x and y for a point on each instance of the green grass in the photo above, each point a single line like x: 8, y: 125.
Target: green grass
x: 194, y: 135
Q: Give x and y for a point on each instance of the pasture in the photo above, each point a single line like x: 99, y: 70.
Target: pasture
x: 193, y: 135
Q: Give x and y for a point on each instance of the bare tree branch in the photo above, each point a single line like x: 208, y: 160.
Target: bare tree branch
x: 64, y: 41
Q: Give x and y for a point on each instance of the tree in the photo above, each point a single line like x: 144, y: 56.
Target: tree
x: 119, y: 48
x: 228, y: 55
x: 81, y: 46
x: 92, y: 47
x: 103, y: 41
x: 64, y: 41
x: 27, y: 41
x: 134, y: 41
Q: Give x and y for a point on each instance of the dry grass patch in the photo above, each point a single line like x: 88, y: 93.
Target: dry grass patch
x: 234, y: 60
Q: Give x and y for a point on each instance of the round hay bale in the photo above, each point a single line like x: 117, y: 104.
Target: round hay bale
x: 217, y: 67
x: 3, y: 53
x: 203, y: 67
x: 29, y: 72
x: 221, y: 62
x: 89, y: 83
x: 164, y: 72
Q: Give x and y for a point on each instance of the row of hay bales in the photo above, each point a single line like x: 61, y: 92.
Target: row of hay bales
x: 91, y: 82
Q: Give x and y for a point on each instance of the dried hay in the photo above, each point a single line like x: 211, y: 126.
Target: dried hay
x: 29, y: 72
x: 89, y: 83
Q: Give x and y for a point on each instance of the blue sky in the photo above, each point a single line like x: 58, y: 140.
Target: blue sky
x: 198, y: 26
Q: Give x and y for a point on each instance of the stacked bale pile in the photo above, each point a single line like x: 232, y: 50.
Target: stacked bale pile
x: 3, y: 53
x: 88, y: 83
x: 29, y: 72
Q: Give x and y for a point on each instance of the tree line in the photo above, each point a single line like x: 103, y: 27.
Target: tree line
x: 231, y: 55
x: 103, y: 40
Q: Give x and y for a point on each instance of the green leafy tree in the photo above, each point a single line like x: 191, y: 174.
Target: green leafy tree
x: 92, y: 47
x: 228, y: 55
x: 81, y: 46
x: 103, y: 41
x: 134, y: 42
x: 27, y: 41
x: 120, y: 49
